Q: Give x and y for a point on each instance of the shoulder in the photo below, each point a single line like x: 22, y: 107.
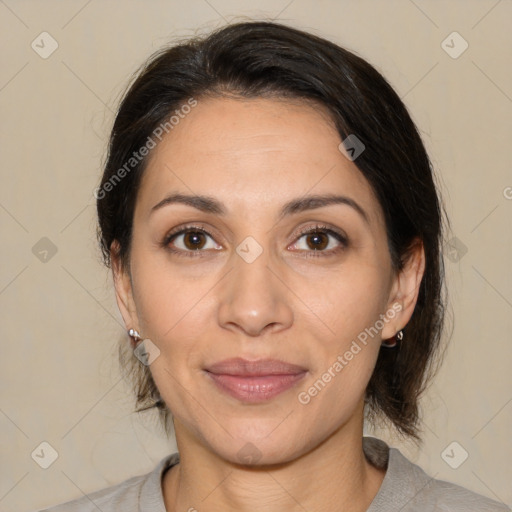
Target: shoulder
x: 406, y: 487
x: 123, y: 496
x: 427, y: 493
x: 454, y: 498
x: 137, y: 493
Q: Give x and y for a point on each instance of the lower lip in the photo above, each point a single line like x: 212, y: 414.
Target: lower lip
x: 255, y: 388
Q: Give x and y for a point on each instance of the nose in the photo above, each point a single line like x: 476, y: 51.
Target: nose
x: 254, y: 298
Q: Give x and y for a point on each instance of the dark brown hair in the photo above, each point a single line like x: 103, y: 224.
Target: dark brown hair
x: 264, y: 59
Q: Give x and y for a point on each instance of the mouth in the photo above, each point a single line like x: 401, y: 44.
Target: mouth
x: 254, y: 381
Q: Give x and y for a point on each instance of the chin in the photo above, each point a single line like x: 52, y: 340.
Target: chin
x: 262, y: 449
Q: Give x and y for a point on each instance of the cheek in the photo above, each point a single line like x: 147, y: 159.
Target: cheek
x: 168, y: 305
x: 347, y: 301
x: 347, y: 354
x: 332, y: 398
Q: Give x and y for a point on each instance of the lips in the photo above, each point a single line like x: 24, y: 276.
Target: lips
x: 243, y: 367
x: 254, y: 381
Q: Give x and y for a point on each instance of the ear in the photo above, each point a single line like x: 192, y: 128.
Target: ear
x: 405, y: 290
x: 123, y: 289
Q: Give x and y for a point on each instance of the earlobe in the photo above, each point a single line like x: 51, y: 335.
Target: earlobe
x: 405, y: 289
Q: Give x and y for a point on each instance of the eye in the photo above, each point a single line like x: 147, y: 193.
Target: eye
x: 189, y: 241
x: 320, y: 239
x: 193, y: 241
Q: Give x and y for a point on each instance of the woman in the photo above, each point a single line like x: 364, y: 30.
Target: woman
x: 270, y: 217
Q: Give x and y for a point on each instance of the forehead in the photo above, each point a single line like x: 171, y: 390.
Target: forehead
x: 256, y: 153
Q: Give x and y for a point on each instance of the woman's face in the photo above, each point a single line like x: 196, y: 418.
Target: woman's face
x: 246, y: 282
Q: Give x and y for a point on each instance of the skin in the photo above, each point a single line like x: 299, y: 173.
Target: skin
x: 254, y: 156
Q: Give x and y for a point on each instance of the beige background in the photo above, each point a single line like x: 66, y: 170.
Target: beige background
x: 60, y: 324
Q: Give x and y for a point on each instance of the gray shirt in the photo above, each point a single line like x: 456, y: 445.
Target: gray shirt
x: 405, y: 488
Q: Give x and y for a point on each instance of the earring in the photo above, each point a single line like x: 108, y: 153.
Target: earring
x: 392, y: 342
x: 135, y: 335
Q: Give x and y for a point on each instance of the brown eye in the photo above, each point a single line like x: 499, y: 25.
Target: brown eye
x: 317, y: 241
x: 320, y: 241
x: 194, y: 240
x: 190, y: 241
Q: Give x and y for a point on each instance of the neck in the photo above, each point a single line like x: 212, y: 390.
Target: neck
x: 333, y: 476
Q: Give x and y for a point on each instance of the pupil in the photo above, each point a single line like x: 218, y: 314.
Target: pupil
x: 193, y: 239
x: 318, y: 243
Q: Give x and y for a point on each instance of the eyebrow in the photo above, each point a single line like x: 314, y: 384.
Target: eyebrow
x: 311, y: 202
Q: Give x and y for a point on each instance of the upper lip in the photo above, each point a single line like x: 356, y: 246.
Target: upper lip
x: 245, y: 367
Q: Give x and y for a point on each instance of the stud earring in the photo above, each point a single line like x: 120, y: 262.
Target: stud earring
x: 135, y: 335
x: 392, y: 342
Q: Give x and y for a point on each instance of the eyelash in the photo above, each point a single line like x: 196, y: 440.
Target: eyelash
x: 318, y: 228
